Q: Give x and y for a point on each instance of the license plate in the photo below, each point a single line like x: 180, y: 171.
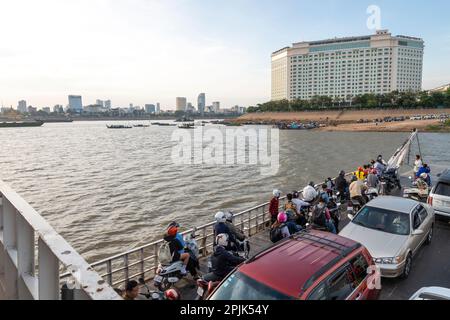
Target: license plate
x: 200, y: 291
x: 158, y: 279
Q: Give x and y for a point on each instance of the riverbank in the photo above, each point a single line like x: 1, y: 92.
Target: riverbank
x: 348, y: 120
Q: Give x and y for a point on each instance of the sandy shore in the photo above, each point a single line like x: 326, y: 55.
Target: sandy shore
x: 337, y: 115
x: 346, y: 120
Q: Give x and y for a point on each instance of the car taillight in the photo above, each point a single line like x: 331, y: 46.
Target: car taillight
x: 430, y: 201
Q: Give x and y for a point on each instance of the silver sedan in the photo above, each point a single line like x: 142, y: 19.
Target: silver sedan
x: 392, y: 229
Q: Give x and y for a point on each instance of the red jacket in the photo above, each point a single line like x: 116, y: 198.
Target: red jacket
x: 273, y: 208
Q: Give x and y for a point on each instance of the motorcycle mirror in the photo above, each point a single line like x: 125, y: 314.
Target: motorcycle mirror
x: 141, y: 280
x: 351, y: 217
x: 410, y: 178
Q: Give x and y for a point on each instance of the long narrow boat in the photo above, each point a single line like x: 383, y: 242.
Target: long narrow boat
x: 118, y: 126
x: 21, y: 124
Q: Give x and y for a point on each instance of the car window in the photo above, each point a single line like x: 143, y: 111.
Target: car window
x: 423, y: 213
x: 443, y: 189
x: 320, y: 293
x: 359, y: 267
x: 340, y: 284
x: 416, y: 220
x: 383, y: 220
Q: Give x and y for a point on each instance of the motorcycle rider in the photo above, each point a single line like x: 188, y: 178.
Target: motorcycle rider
x: 360, y: 174
x: 380, y: 167
x: 425, y: 169
x: 372, y: 179
x: 310, y: 193
x: 421, y: 182
x: 322, y: 218
x: 300, y: 204
x: 223, y: 262
x: 342, y: 185
x: 274, y: 205
x: 176, y: 246
x: 131, y: 290
x: 238, y: 234
x: 221, y: 227
x: 357, y: 188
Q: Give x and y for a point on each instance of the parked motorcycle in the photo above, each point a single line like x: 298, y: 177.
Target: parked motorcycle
x: 372, y: 193
x: 167, y: 274
x: 151, y: 294
x: 389, y: 181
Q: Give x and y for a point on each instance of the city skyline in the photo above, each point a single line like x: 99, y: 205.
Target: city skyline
x: 144, y: 51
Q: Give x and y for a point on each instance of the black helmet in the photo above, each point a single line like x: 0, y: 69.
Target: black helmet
x: 312, y: 184
x: 173, y: 224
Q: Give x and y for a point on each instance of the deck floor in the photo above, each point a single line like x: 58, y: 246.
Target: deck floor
x: 431, y: 266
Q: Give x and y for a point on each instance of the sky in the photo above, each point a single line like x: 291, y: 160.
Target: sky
x: 148, y: 51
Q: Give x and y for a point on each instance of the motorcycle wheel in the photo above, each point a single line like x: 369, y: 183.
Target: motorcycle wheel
x: 164, y: 285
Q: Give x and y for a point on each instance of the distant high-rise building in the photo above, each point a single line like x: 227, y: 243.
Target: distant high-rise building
x: 150, y: 108
x: 346, y: 67
x: 181, y: 104
x: 100, y: 103
x: 46, y: 109
x: 216, y: 106
x: 22, y: 106
x: 75, y: 103
x: 108, y: 104
x: 58, y: 108
x: 158, y: 108
x: 201, y: 103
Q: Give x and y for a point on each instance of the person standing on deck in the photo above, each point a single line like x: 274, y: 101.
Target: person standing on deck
x: 310, y: 193
x: 274, y: 206
x: 342, y: 185
x: 417, y: 165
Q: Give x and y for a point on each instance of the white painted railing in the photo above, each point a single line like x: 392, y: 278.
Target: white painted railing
x: 33, y: 254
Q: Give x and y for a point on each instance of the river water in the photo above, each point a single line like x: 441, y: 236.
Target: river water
x: 107, y: 191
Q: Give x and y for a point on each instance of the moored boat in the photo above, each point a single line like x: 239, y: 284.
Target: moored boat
x: 20, y: 124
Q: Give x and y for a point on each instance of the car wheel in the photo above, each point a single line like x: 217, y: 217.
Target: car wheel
x: 408, y: 265
x: 430, y: 236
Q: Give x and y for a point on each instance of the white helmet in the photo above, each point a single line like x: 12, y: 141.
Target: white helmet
x: 220, y: 217
x: 277, y: 193
x: 424, y: 176
x: 229, y: 216
x: 222, y: 240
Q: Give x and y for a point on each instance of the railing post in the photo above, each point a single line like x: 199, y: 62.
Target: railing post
x: 155, y: 266
x: 48, y: 273
x: 249, y: 223
x: 126, y: 270
x: 10, y: 249
x: 204, y: 243
x: 142, y: 263
x: 109, y: 272
x: 25, y: 258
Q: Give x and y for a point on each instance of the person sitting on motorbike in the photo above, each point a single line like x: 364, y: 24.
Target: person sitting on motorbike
x: 131, y: 290
x: 309, y: 193
x: 381, y: 160
x: 176, y: 246
x: 238, y: 234
x: 222, y: 261
x: 281, y: 226
x: 357, y: 188
x: 274, y: 205
x: 301, y: 206
x: 342, y: 185
x: 421, y: 182
x: 221, y: 227
x: 292, y: 213
x: 324, y: 194
x: 321, y: 216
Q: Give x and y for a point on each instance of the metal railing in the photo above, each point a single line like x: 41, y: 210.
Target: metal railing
x: 33, y: 255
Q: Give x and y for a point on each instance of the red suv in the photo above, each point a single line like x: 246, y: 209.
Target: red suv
x: 311, y: 265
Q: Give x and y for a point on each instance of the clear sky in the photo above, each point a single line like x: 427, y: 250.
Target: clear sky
x: 148, y: 51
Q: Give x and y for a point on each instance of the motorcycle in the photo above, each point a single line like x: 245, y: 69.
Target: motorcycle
x: 206, y: 285
x: 335, y: 213
x: 353, y: 206
x: 389, y: 181
x: 372, y: 193
x: 151, y: 295
x: 167, y: 274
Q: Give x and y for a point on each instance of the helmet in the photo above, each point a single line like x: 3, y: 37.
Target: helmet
x: 342, y: 173
x: 282, y: 217
x: 312, y: 184
x: 229, y: 216
x: 222, y: 239
x: 277, y: 193
x: 172, y: 294
x: 374, y: 171
x: 360, y: 169
x: 424, y: 176
x: 172, y: 230
x: 220, y: 217
x: 173, y: 224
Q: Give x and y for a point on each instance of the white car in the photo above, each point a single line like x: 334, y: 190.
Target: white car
x: 431, y: 293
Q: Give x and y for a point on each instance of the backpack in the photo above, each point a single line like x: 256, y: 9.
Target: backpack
x: 164, y: 255
x: 319, y: 216
x: 275, y: 234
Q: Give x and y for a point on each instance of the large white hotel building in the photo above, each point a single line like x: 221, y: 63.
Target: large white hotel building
x: 346, y: 67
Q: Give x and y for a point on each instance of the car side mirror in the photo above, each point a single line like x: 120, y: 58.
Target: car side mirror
x: 418, y: 232
x: 351, y: 217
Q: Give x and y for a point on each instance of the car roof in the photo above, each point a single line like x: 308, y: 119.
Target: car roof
x: 393, y: 204
x: 445, y: 176
x: 292, y: 266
